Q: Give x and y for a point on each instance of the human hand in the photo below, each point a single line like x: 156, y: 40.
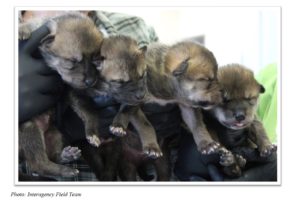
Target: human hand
x: 39, y: 86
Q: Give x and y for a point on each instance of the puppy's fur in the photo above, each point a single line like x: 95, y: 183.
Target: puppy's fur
x: 122, y: 71
x: 73, y: 50
x: 120, y: 74
x: 133, y: 162
x: 40, y: 141
x: 122, y: 68
x: 233, y: 122
x: 68, y: 49
x: 186, y: 74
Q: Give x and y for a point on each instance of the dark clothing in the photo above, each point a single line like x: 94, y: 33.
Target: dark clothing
x: 192, y: 166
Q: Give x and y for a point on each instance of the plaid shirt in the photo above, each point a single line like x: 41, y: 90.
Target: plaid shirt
x: 85, y: 173
x: 118, y: 23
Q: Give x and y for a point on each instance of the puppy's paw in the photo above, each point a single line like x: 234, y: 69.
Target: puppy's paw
x: 240, y: 160
x: 152, y: 151
x: 69, y: 154
x: 69, y: 172
x: 93, y: 140
x: 117, y: 130
x: 208, y: 147
x: 232, y: 171
x: 267, y: 150
x: 24, y: 31
x: 227, y: 158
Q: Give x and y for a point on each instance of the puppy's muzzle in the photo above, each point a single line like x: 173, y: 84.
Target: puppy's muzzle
x: 240, y: 117
x: 139, y: 95
x: 90, y: 81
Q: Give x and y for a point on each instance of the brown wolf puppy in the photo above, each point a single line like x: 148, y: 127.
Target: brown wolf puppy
x: 73, y: 50
x: 122, y: 68
x: 186, y: 74
x: 234, y: 124
x: 122, y: 72
x: 69, y: 50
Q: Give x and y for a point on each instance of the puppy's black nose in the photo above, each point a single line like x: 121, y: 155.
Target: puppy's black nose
x: 222, y: 91
x: 203, y: 103
x: 89, y: 82
x: 240, y: 117
x: 140, y: 95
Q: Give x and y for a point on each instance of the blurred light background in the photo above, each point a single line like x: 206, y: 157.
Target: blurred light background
x: 246, y: 35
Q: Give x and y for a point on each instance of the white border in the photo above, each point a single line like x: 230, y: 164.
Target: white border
x: 63, y: 183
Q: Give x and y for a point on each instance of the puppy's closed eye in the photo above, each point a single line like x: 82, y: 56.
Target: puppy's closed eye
x: 75, y: 60
x: 205, y: 79
x: 97, y: 62
x: 226, y: 100
x: 251, y: 100
x: 115, y: 81
x: 202, y: 79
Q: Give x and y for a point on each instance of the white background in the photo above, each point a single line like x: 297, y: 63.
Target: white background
x: 245, y: 35
x: 290, y: 118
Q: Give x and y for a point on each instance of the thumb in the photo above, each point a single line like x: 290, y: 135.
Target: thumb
x: 35, y: 39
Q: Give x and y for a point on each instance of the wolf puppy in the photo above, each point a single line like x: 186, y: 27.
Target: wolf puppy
x: 73, y: 50
x: 68, y: 49
x: 233, y: 122
x: 186, y: 74
x: 122, y: 72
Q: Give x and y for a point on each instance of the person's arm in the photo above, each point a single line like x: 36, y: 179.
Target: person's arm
x: 38, y: 84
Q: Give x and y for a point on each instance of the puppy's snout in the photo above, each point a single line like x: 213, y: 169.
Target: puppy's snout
x: 139, y: 95
x: 90, y: 73
x: 203, y: 103
x: 240, y: 117
x: 89, y: 81
x: 223, y: 95
x: 222, y: 92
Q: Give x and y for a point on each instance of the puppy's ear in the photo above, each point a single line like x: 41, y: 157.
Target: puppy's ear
x: 143, y: 50
x: 52, y: 26
x: 46, y: 42
x: 262, y: 89
x: 182, y: 68
x: 89, y: 13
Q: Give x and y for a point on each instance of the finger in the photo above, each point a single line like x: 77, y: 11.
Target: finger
x: 28, y: 109
x: 40, y: 67
x: 48, y: 102
x: 36, y: 36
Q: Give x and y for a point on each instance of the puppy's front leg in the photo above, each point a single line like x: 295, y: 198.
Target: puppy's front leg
x: 194, y: 120
x: 55, y: 149
x: 82, y: 108
x: 259, y: 135
x: 121, y: 120
x: 146, y: 132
